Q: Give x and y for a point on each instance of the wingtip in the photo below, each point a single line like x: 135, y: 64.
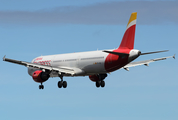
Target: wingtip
x: 174, y: 56
x: 4, y: 57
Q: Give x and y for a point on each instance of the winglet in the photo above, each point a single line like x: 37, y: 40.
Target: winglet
x: 174, y: 56
x: 4, y: 57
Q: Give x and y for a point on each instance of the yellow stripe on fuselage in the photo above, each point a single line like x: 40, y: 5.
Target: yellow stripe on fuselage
x: 132, y: 17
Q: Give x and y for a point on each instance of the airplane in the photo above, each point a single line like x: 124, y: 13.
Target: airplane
x: 95, y: 64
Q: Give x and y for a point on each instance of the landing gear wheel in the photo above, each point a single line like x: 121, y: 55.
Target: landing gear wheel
x: 60, y: 84
x: 102, y: 83
x: 97, y: 84
x: 41, y: 87
x: 64, y: 84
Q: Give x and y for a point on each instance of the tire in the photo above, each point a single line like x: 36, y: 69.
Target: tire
x: 97, y: 84
x: 102, y: 83
x: 41, y: 87
x: 64, y: 84
x: 59, y: 84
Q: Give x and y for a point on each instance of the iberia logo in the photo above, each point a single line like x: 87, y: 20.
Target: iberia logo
x: 36, y: 74
x: 38, y: 59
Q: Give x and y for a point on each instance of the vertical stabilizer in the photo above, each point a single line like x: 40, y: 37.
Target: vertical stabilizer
x: 129, y: 35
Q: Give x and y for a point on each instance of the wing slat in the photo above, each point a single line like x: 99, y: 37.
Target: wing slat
x: 34, y: 65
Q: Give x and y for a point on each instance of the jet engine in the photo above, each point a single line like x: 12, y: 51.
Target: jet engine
x: 98, y: 77
x: 94, y: 78
x: 40, y: 76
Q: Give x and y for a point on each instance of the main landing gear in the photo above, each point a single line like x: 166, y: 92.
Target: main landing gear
x: 62, y: 83
x: 41, y: 86
x: 101, y: 81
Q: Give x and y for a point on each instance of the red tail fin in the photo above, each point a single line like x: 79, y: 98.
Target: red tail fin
x: 129, y: 35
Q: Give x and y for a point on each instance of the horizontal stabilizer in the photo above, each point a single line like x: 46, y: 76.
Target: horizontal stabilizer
x: 153, y: 52
x: 116, y: 53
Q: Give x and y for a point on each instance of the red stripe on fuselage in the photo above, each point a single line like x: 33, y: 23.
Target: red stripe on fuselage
x: 115, y: 62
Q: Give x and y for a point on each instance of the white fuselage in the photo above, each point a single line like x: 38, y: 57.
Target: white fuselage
x: 84, y: 63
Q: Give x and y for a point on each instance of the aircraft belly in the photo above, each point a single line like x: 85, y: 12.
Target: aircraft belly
x: 92, y: 66
x: 89, y: 62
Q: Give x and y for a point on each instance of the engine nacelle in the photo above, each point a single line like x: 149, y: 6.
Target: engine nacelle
x: 98, y: 77
x: 94, y: 78
x: 40, y: 76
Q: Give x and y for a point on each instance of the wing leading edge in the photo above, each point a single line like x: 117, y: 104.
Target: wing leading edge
x: 59, y: 70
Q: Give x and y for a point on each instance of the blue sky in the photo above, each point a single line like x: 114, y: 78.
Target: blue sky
x: 32, y: 28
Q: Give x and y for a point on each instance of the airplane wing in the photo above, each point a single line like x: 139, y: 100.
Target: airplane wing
x: 60, y: 70
x: 146, y: 62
